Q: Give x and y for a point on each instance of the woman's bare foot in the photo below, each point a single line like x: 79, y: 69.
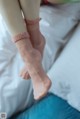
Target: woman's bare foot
x: 40, y: 47
x: 24, y: 73
x: 41, y: 82
x: 32, y: 59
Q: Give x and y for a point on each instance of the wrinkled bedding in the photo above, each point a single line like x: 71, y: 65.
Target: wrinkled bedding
x: 66, y: 72
x: 57, y: 25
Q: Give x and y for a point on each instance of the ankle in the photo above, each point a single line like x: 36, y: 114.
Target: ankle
x: 32, y: 24
x: 32, y: 56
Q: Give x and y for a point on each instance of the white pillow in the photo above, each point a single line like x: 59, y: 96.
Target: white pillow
x: 65, y: 73
x: 56, y: 23
x: 61, y: 18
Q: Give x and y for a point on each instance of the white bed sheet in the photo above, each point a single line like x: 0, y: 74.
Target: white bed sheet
x: 65, y: 73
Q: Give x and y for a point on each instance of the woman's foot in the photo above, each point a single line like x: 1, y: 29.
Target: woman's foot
x: 41, y: 82
x: 24, y: 73
x: 32, y: 59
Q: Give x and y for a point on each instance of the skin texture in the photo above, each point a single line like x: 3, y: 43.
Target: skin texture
x: 38, y: 42
x: 32, y: 56
x: 37, y: 39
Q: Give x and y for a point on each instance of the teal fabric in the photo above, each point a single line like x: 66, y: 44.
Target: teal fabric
x: 51, y: 107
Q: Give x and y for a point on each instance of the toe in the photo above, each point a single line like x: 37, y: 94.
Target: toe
x: 27, y: 76
x: 24, y: 74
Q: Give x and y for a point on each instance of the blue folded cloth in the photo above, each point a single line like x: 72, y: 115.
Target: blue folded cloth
x: 50, y: 107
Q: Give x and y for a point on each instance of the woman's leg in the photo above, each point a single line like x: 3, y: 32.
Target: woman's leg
x: 15, y: 23
x: 10, y: 11
x: 31, y: 12
x: 10, y: 15
x: 31, y: 9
